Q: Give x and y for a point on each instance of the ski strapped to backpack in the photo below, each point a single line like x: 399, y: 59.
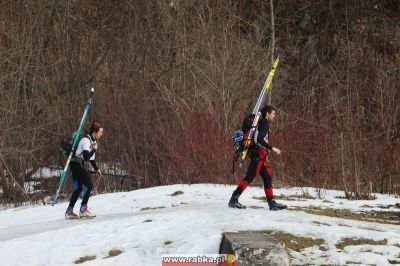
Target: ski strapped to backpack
x: 65, y: 172
x: 248, y: 136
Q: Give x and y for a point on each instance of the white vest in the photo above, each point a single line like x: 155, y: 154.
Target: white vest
x: 85, y: 144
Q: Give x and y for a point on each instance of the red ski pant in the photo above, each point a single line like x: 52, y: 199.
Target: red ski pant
x: 257, y: 165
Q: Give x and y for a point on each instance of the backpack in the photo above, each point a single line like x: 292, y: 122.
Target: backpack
x: 240, y: 137
x: 66, y: 144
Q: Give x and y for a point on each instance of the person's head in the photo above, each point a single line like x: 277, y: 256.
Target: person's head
x: 269, y: 113
x: 96, y: 129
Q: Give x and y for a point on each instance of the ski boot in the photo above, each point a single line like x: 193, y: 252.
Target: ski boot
x: 85, y: 213
x: 274, y: 206
x: 234, y: 202
x: 69, y: 214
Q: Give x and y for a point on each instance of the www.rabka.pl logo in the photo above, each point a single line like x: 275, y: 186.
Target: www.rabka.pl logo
x: 199, y: 260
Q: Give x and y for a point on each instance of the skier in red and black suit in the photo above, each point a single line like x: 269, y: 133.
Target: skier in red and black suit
x: 259, y: 162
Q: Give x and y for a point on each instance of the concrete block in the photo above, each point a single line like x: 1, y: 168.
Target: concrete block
x: 254, y: 249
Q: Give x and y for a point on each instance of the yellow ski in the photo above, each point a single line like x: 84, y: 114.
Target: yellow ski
x: 256, y: 110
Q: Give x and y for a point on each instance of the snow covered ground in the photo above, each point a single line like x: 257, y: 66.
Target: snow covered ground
x: 145, y: 224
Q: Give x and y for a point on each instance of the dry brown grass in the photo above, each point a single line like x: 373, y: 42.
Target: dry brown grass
x: 379, y: 217
x: 359, y: 241
x: 319, y: 223
x: 113, y: 253
x: 84, y: 259
x: 151, y: 208
x: 177, y: 193
x: 296, y: 243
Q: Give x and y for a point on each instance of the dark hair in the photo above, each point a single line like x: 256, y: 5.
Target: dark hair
x: 95, y: 127
x: 267, y: 109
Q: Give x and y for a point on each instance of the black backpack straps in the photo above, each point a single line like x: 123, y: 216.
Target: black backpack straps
x: 84, y: 136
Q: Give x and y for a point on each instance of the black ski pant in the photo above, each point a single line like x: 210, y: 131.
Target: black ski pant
x: 80, y: 177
